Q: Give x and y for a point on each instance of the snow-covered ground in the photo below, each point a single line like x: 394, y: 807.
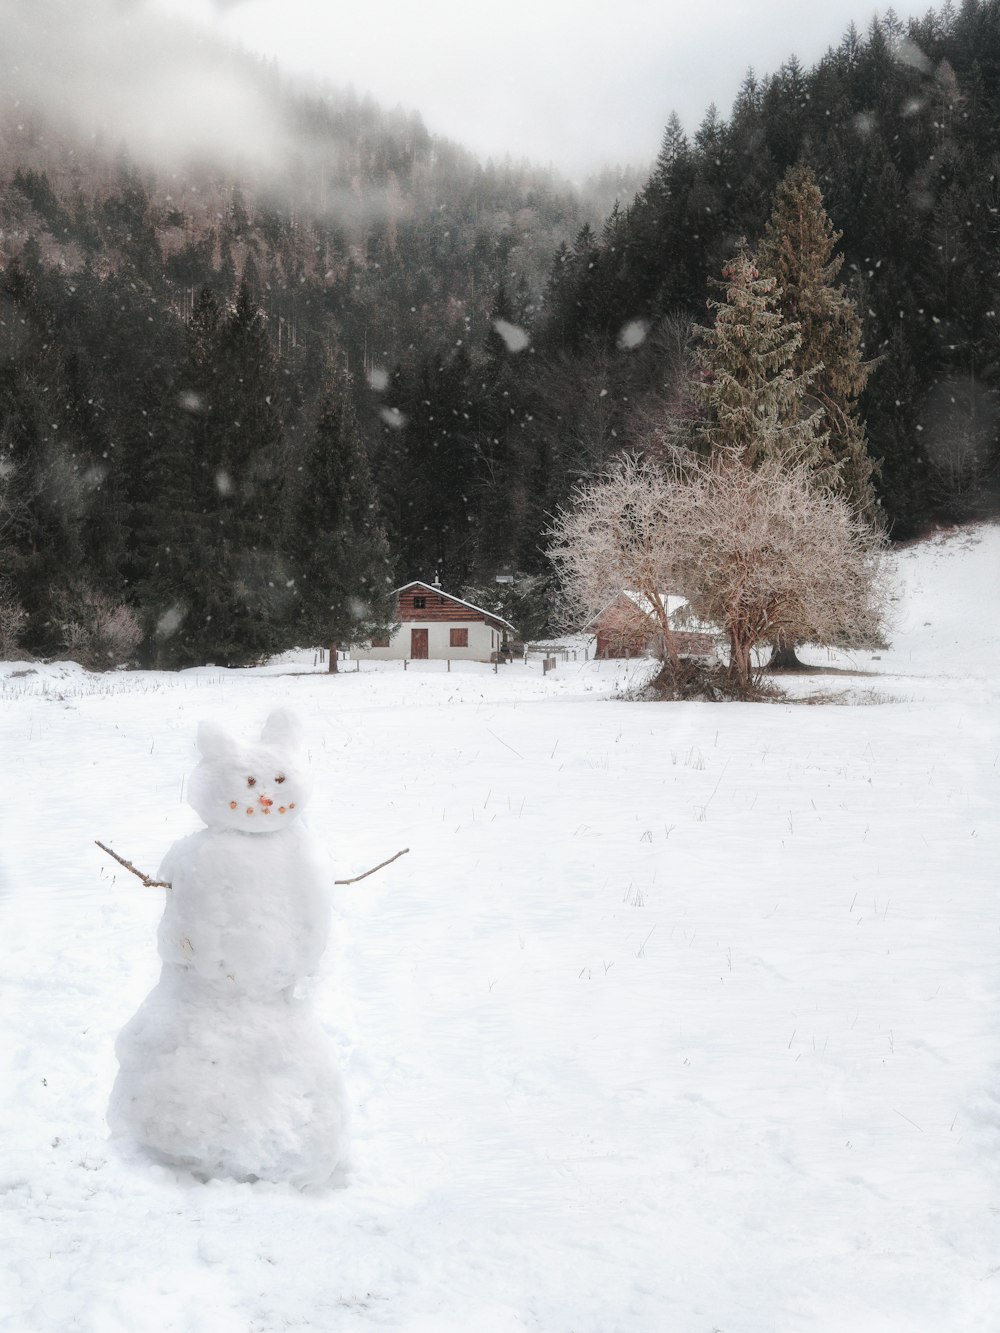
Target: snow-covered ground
x: 675, y: 1017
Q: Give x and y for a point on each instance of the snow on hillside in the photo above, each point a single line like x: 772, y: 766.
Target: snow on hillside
x: 945, y: 615
x: 676, y: 1016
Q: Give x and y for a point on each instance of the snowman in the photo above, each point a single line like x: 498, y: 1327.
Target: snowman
x: 225, y: 1069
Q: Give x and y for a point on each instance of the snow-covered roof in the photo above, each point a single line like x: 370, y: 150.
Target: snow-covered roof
x: 672, y: 603
x: 668, y: 599
x: 435, y: 588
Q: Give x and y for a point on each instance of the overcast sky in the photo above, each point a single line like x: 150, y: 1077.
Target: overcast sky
x: 578, y: 83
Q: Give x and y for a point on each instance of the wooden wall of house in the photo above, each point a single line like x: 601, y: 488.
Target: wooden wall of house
x: 438, y: 606
x: 619, y: 643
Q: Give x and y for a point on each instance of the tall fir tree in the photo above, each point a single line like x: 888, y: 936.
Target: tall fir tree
x: 55, y: 511
x: 428, y: 468
x: 749, y: 392
x: 798, y: 251
x: 337, y: 545
x: 222, y: 589
x: 172, y: 510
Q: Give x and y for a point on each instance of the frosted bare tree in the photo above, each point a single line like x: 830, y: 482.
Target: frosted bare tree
x: 757, y: 550
x: 12, y: 622
x: 775, y: 557
x: 620, y: 535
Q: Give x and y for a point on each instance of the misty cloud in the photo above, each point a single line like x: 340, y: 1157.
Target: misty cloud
x: 164, y: 87
x: 578, y: 86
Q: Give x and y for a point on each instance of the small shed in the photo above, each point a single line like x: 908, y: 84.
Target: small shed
x: 436, y: 625
x: 626, y: 627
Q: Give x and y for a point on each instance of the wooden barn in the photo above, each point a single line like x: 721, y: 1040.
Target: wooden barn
x: 626, y: 627
x: 433, y: 624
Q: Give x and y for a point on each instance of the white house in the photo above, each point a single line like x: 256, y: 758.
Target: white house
x: 434, y: 624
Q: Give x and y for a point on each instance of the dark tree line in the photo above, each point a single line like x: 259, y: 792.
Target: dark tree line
x: 232, y: 415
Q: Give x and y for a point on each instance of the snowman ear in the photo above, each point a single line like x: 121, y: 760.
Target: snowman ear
x: 214, y: 742
x: 284, y: 729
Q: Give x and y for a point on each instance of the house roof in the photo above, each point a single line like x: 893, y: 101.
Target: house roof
x: 440, y: 592
x: 669, y: 600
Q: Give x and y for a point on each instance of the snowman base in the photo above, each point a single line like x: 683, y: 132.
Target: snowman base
x: 231, y: 1084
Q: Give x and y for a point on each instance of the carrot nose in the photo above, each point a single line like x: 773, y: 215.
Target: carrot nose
x: 265, y: 800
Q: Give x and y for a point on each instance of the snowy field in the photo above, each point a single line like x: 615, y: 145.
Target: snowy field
x: 675, y: 1017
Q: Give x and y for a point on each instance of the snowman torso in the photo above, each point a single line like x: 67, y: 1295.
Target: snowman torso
x: 247, y: 911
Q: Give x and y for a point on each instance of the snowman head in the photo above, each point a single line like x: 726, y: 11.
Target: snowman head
x: 258, y: 787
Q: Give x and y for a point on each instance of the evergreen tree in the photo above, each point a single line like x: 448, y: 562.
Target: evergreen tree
x: 428, y: 472
x: 246, y: 473
x: 173, y: 510
x: 798, y: 252
x: 220, y: 589
x: 750, y: 395
x: 761, y: 416
x: 337, y: 545
x: 55, y: 507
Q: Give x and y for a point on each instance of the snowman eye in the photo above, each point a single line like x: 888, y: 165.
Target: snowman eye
x: 251, y: 782
x: 280, y: 777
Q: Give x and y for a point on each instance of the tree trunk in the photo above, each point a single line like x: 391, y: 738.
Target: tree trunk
x: 333, y: 659
x: 783, y: 656
x: 669, y: 644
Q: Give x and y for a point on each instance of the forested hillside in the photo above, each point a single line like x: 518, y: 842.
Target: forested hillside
x: 235, y: 406
x: 173, y: 344
x: 902, y: 129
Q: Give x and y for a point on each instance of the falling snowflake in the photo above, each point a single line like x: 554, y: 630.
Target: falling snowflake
x: 515, y: 338
x: 633, y: 334
x: 393, y: 417
x: 170, y: 622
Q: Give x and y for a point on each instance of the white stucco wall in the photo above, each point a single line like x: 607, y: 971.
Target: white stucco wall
x: 483, y: 640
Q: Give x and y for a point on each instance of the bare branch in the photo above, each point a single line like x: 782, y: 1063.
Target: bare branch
x: 380, y: 866
x: 164, y: 884
x: 146, y: 879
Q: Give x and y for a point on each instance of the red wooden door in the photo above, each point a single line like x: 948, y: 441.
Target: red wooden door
x: 418, y: 643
